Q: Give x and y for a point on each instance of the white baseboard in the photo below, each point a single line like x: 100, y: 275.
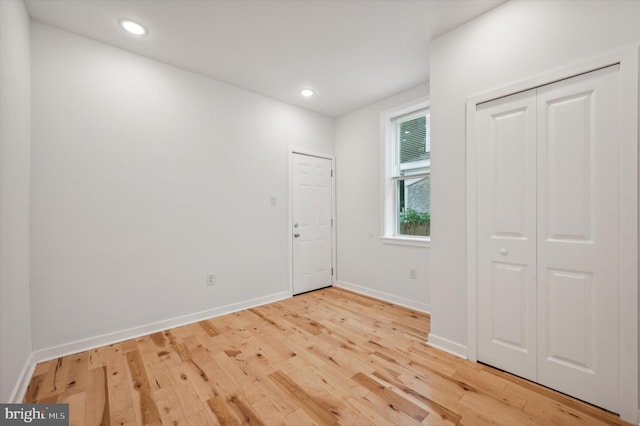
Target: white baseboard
x: 132, y: 333
x: 447, y: 345
x: 386, y: 297
x: 23, y: 380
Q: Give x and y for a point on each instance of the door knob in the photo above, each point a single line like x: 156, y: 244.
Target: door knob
x: 504, y: 251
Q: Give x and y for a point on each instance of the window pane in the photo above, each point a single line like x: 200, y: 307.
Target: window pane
x: 413, y: 202
x: 408, y: 173
x: 414, y: 138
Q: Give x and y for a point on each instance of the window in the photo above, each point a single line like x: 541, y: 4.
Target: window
x: 407, y: 151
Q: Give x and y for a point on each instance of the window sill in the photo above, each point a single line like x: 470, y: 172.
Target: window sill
x: 407, y: 241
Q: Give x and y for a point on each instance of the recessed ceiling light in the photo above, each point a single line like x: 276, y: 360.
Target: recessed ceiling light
x: 133, y: 27
x: 307, y: 92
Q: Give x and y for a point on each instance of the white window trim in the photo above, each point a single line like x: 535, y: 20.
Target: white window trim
x: 387, y: 158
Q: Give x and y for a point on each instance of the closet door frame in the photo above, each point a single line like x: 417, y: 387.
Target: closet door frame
x: 629, y: 184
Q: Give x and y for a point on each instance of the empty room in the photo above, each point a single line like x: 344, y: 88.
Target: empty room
x: 298, y: 212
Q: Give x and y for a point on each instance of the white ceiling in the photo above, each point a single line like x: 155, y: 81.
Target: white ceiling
x: 351, y: 52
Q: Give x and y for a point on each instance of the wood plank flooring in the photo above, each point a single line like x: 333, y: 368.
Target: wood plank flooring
x: 328, y: 357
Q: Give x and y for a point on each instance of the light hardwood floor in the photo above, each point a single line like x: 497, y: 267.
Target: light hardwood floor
x: 326, y: 357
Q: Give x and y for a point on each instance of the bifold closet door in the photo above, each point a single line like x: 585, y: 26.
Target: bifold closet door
x: 506, y: 213
x: 548, y: 235
x: 578, y: 236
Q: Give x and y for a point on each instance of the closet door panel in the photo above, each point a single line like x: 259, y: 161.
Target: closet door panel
x: 578, y: 237
x: 506, y: 234
x: 568, y: 167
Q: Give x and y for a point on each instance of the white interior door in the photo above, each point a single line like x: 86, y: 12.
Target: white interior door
x: 578, y: 237
x: 312, y: 222
x: 548, y: 235
x: 507, y: 234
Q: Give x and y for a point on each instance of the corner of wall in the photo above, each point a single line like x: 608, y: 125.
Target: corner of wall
x: 20, y: 389
x: 448, y: 346
x: 386, y: 297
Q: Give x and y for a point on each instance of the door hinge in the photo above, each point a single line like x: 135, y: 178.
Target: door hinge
x: 331, y: 221
x: 331, y: 173
x: 331, y: 271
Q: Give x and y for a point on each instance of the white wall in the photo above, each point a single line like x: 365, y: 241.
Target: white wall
x: 511, y: 43
x: 15, y: 139
x: 366, y: 264
x: 145, y: 178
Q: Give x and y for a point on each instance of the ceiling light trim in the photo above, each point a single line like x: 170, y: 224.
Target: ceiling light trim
x: 133, y: 27
x: 307, y: 93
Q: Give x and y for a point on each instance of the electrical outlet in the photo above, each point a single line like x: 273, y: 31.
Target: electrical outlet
x: 211, y: 279
x: 412, y: 273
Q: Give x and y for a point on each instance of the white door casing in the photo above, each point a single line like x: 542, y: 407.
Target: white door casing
x: 312, y: 209
x: 548, y: 235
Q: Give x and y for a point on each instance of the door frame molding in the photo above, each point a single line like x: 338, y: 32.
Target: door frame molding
x: 301, y: 151
x: 629, y: 180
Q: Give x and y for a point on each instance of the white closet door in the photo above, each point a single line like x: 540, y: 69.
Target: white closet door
x: 578, y: 236
x: 548, y: 235
x: 506, y: 206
